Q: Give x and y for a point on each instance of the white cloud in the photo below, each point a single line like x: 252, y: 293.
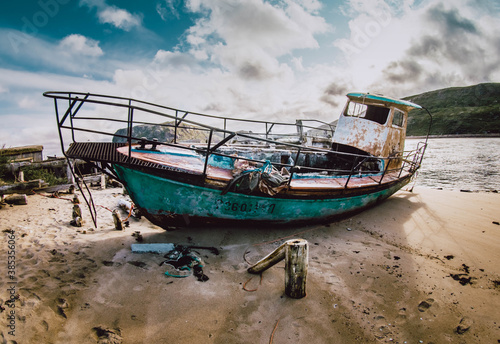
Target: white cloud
x: 27, y: 117
x: 410, y: 50
x: 244, y: 58
x: 78, y: 44
x: 113, y: 15
x: 120, y: 18
x: 247, y: 37
x: 309, y: 5
x: 74, y: 54
x: 167, y: 8
x: 28, y: 102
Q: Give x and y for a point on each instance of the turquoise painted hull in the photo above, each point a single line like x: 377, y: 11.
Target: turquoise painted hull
x: 166, y: 202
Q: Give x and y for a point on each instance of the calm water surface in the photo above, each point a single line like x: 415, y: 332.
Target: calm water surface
x: 460, y: 163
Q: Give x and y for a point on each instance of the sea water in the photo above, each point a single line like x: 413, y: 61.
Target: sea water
x: 460, y: 163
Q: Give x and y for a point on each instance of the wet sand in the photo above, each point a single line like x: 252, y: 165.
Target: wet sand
x: 422, y: 267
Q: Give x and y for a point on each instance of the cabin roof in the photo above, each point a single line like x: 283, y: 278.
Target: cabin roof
x: 370, y: 98
x: 21, y: 150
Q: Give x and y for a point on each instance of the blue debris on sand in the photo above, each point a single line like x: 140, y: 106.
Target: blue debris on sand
x: 152, y: 248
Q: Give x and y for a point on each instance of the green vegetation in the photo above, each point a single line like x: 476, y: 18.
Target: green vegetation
x: 4, y: 170
x: 32, y: 173
x: 457, y: 111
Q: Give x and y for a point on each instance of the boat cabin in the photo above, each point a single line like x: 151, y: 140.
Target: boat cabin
x: 372, y: 124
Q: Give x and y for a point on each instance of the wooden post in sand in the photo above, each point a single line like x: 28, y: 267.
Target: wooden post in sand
x: 69, y: 173
x: 117, y: 220
x: 77, y: 216
x: 296, y: 257
x: 295, y: 253
x: 103, y: 181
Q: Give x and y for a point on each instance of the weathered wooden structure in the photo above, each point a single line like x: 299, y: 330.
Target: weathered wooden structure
x: 32, y: 153
x: 296, y: 255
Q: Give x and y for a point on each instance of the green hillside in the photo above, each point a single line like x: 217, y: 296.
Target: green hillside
x: 457, y: 110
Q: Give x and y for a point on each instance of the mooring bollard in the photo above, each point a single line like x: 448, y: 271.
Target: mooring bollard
x: 295, y: 252
x: 296, y: 261
x: 103, y: 181
x: 117, y: 220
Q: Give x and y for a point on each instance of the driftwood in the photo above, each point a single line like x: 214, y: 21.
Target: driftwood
x: 93, y: 178
x: 16, y: 199
x: 21, y: 187
x: 295, y: 253
x: 114, y: 183
x: 61, y: 189
x: 129, y: 208
x: 268, y: 261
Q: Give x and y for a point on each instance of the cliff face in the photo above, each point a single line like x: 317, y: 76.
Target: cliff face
x: 457, y: 110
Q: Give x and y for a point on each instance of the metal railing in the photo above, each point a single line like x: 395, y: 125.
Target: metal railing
x: 100, y: 120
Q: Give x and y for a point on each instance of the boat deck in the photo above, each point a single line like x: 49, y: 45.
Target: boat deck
x: 110, y: 152
x: 187, y: 161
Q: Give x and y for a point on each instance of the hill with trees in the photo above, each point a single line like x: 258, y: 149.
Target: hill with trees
x: 472, y: 110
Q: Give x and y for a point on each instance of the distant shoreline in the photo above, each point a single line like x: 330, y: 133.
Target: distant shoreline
x: 455, y: 136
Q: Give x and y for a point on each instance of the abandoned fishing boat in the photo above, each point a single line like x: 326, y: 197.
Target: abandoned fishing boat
x: 182, y: 167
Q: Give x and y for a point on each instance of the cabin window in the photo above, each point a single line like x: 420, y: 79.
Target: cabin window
x: 377, y: 114
x: 398, y: 119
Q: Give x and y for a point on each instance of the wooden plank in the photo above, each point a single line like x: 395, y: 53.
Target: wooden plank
x: 21, y: 187
x: 268, y: 261
x: 317, y: 183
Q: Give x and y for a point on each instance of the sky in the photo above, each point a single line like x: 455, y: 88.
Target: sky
x: 263, y: 59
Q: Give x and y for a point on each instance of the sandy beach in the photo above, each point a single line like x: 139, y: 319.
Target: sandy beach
x: 422, y: 267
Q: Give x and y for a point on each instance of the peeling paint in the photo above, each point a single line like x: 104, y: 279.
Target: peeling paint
x: 155, y: 194
x: 380, y: 138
